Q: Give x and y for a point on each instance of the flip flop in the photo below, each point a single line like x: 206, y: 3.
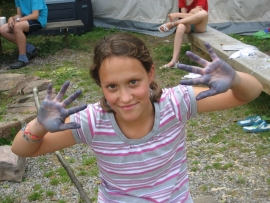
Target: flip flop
x: 249, y: 121
x: 259, y: 126
x: 165, y: 28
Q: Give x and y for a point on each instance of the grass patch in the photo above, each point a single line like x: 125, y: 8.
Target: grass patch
x: 7, y: 199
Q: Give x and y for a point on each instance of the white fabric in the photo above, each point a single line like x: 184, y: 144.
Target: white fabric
x: 144, y: 16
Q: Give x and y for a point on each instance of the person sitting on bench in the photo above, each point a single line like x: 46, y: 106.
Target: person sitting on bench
x: 31, y: 16
x: 192, y: 18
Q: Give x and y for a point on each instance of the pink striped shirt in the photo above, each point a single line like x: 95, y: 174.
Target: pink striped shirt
x: 150, y: 169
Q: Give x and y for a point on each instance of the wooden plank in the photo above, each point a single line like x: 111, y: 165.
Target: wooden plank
x: 258, y: 66
x: 63, y: 24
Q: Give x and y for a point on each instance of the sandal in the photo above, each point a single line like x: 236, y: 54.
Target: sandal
x: 165, y: 28
x: 249, y: 121
x: 259, y: 126
x: 167, y: 66
x: 18, y: 64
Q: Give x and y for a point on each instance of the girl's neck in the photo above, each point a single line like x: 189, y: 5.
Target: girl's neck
x: 189, y: 2
x: 139, y: 128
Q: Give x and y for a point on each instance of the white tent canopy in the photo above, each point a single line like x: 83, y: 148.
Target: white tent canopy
x: 239, y: 16
x: 144, y: 16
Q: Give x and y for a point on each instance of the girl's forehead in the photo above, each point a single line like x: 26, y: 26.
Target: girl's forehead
x: 120, y: 68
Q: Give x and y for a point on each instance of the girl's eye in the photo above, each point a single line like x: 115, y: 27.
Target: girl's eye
x: 111, y: 86
x: 133, y: 82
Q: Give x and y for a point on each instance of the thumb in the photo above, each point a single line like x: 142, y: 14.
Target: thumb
x: 71, y: 125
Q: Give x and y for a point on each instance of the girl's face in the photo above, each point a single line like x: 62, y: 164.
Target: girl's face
x: 125, y: 85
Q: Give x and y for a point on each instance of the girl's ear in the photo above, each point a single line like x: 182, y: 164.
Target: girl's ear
x: 151, y: 73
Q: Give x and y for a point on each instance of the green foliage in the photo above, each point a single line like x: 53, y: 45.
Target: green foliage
x: 262, y: 44
x: 50, y: 193
x: 4, y: 141
x: 54, y: 181
x: 35, y: 196
x: 7, y: 199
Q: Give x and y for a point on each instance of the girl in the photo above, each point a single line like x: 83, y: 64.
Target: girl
x: 193, y: 18
x: 137, y: 130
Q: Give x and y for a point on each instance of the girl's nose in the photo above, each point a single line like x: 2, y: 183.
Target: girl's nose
x: 125, y: 96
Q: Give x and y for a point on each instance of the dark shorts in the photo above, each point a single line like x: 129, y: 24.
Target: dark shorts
x: 34, y: 26
x: 192, y: 26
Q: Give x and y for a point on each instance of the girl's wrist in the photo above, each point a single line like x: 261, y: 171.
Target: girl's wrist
x: 36, y: 129
x: 236, y: 81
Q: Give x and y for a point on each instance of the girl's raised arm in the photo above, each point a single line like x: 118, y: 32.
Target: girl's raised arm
x: 227, y: 88
x: 50, y: 131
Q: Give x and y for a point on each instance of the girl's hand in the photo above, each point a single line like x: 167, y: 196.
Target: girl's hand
x: 173, y: 16
x: 217, y: 75
x: 53, y: 113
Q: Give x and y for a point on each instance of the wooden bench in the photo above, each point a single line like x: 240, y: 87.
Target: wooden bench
x: 63, y: 25
x: 259, y: 66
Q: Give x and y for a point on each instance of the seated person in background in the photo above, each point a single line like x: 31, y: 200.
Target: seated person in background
x: 193, y: 18
x: 31, y: 16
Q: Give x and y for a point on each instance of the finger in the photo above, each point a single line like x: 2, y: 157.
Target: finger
x: 71, y: 98
x: 62, y: 91
x: 71, y: 125
x: 76, y: 109
x: 197, y: 59
x: 210, y: 51
x: 49, y: 92
x: 207, y: 93
x: 195, y: 81
x: 191, y: 69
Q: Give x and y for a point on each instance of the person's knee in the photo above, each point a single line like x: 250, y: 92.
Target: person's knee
x: 181, y: 28
x: 18, y: 28
x: 203, y: 14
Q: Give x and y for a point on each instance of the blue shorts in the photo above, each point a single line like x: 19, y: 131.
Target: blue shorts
x: 34, y: 25
x: 192, y: 26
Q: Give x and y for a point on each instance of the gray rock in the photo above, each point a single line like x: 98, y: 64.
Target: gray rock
x: 12, y: 167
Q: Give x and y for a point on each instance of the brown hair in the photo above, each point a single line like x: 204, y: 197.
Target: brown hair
x: 123, y: 44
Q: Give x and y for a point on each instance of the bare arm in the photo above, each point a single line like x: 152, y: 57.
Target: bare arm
x: 184, y: 14
x: 51, y: 142
x: 227, y: 87
x: 51, y: 128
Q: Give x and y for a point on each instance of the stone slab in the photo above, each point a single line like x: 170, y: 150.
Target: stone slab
x: 12, y: 167
x: 12, y: 123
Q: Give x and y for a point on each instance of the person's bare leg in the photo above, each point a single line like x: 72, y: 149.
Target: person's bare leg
x: 19, y: 30
x: 178, y: 40
x: 16, y: 35
x: 7, y: 33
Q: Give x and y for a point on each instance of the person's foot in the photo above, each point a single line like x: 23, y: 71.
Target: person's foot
x: 171, y: 64
x: 32, y: 54
x: 18, y: 64
x: 166, y: 27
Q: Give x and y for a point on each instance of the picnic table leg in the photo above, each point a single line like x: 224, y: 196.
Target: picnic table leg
x: 0, y: 46
x: 66, y: 39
